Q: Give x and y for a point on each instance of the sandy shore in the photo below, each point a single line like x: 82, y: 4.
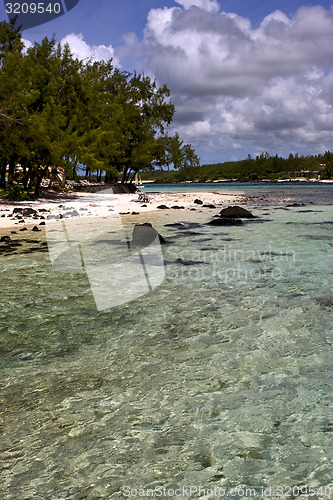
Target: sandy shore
x: 103, y: 205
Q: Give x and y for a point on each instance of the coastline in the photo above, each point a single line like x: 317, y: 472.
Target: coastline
x: 87, y: 205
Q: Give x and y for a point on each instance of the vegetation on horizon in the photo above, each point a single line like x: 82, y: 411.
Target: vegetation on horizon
x: 262, y: 167
x: 60, y: 114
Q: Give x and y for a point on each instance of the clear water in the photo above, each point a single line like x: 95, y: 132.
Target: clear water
x: 266, y: 192
x: 219, y: 378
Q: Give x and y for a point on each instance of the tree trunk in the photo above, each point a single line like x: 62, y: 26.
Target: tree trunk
x: 12, y: 165
x: 38, y: 181
x: 125, y: 175
x: 3, y: 175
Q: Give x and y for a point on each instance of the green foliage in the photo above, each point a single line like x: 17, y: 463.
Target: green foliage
x: 262, y: 167
x: 57, y: 112
x: 14, y: 193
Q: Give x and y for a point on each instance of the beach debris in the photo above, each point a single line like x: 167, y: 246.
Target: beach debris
x: 143, y: 198
x: 236, y: 212
x: 144, y: 234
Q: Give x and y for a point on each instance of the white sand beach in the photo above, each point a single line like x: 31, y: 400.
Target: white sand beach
x: 103, y: 205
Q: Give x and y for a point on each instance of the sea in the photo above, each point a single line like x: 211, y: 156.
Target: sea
x: 197, y: 368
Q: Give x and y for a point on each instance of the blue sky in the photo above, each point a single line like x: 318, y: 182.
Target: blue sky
x: 245, y: 77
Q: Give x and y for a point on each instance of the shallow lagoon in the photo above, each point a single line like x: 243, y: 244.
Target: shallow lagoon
x: 220, y: 378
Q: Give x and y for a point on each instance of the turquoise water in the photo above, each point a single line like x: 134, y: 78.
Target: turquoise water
x: 270, y: 192
x: 221, y: 377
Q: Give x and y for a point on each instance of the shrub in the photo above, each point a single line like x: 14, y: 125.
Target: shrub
x: 14, y: 193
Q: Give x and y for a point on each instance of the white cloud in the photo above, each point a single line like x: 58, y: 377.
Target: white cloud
x: 209, y: 5
x: 82, y: 50
x: 26, y: 44
x: 269, y: 87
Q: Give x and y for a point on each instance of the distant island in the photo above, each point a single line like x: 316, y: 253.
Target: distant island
x: 263, y: 167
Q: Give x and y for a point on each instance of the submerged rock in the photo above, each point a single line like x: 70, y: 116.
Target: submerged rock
x: 224, y: 221
x: 236, y: 212
x: 144, y: 234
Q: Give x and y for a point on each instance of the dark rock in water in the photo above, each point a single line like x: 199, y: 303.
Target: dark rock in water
x: 144, y: 205
x: 162, y: 207
x: 296, y: 205
x: 190, y: 233
x: 175, y: 224
x: 176, y: 207
x: 54, y: 217
x: 43, y: 210
x: 192, y: 225
x: 35, y: 228
x: 135, y: 213
x: 236, y: 213
x: 224, y: 221
x: 144, y: 234
x: 325, y: 302
x: 198, y: 202
x: 5, y: 238
x: 209, y: 206
x: 193, y: 209
x: 24, y: 229
x: 73, y: 213
x: 42, y: 223
x: 188, y: 262
x: 4, y: 215
x: 24, y: 211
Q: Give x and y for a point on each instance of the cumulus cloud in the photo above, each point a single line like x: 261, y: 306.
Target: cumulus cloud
x: 209, y: 5
x: 235, y: 86
x: 26, y: 44
x: 82, y: 50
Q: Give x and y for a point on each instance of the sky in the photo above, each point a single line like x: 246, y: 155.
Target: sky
x: 245, y: 76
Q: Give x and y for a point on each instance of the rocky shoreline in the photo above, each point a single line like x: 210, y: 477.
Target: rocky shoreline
x: 17, y: 215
